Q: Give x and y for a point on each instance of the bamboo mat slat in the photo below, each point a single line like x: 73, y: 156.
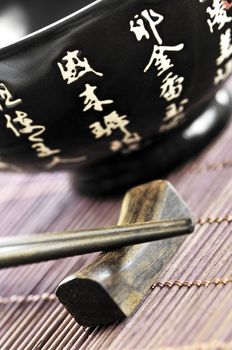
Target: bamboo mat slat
x: 188, y: 308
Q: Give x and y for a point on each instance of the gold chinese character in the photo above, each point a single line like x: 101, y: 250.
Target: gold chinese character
x: 223, y: 73
x: 37, y: 130
x: 91, y: 100
x: 218, y: 15
x: 56, y: 161
x: 98, y: 130
x: 138, y: 26
x: 11, y: 126
x: 112, y: 122
x: 153, y: 19
x: 174, y: 111
x: 73, y: 67
x: 225, y: 47
x: 7, y: 97
x: 172, y: 87
x: 44, y: 151
x: 174, y: 115
x: 161, y: 61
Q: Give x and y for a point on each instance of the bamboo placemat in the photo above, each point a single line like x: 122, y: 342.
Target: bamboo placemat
x: 189, y: 308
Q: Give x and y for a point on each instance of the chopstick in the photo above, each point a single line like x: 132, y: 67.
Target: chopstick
x: 43, y: 247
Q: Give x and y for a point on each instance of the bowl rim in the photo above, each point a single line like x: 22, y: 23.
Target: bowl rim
x: 54, y: 25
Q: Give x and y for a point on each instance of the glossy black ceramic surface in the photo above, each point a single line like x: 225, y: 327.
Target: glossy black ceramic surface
x: 108, y: 81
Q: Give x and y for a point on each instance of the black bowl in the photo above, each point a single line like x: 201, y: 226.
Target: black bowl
x: 110, y: 83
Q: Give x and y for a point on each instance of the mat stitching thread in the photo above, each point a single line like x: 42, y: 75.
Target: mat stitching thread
x: 14, y: 299
x: 196, y: 283
x: 217, y: 220
x: 21, y: 299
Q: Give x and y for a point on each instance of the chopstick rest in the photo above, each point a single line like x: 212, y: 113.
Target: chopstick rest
x: 114, y: 284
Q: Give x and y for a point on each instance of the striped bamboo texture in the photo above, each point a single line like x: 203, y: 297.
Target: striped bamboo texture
x: 189, y: 308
